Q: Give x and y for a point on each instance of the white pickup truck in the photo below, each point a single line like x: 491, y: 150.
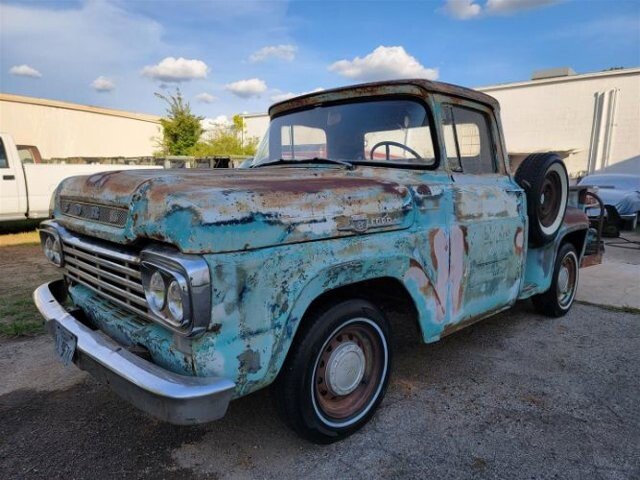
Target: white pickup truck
x: 25, y: 189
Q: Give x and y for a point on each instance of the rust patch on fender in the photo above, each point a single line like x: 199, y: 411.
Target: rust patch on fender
x: 574, y: 216
x: 459, y: 249
x: 416, y: 272
x: 439, y: 244
x: 249, y: 361
x: 518, y: 241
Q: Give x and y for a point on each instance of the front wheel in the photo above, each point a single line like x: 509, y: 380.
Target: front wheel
x: 557, y: 301
x: 337, y: 372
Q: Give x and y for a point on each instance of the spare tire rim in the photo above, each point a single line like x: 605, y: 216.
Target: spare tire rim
x: 348, y: 373
x: 567, y: 280
x: 550, y: 199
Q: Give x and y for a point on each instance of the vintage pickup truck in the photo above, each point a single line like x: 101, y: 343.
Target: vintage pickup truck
x: 26, y: 184
x: 190, y: 289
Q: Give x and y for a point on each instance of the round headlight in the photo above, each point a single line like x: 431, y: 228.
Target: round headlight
x: 48, y: 247
x: 174, y: 301
x: 56, y: 250
x: 157, y: 291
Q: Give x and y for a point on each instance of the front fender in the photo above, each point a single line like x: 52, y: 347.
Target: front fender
x: 260, y: 297
x: 328, y: 279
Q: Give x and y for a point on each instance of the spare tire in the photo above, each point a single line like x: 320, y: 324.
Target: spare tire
x: 545, y: 181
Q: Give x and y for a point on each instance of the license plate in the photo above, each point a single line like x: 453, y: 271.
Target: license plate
x: 65, y: 344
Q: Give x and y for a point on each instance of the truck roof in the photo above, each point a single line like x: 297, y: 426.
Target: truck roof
x: 389, y: 87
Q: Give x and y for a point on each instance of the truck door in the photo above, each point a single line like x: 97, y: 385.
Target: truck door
x: 10, y: 202
x: 488, y: 222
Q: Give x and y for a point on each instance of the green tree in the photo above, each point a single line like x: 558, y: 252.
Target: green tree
x: 226, y: 141
x: 181, y: 129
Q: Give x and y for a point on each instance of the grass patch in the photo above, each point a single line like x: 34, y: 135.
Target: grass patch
x: 613, y: 308
x: 19, y: 317
x: 23, y: 238
x: 21, y: 329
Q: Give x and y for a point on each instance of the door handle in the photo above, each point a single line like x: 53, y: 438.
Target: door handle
x: 8, y: 177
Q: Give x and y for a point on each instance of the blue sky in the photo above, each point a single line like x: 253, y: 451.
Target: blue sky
x: 230, y: 57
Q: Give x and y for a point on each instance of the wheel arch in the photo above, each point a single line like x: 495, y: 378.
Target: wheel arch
x: 385, y: 287
x: 578, y: 238
x: 540, y: 260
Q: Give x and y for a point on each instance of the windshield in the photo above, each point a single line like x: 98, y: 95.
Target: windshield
x: 393, y: 132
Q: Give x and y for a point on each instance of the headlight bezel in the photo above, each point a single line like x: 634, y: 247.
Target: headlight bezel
x: 191, y: 272
x: 49, y: 234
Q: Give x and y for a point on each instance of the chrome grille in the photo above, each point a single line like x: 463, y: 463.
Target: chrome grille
x: 110, y: 273
x: 116, y: 216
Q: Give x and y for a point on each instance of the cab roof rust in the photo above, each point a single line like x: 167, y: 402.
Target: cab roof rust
x: 415, y: 87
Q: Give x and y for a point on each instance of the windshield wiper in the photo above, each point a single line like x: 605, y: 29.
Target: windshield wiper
x: 284, y: 161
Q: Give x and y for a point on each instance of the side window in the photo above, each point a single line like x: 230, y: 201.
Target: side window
x: 467, y: 139
x: 301, y: 142
x: 4, y: 163
x: 25, y: 155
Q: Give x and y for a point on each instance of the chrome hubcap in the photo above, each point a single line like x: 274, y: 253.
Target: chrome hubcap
x: 563, y: 279
x: 567, y: 280
x: 345, y: 368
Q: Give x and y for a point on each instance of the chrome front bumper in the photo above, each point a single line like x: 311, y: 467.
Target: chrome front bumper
x: 177, y: 399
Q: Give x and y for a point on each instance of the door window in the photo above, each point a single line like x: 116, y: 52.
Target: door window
x: 4, y: 163
x: 467, y: 139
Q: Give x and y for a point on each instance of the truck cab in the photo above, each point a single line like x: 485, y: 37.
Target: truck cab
x: 190, y: 289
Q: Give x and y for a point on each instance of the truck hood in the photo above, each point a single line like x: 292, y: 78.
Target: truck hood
x: 206, y: 211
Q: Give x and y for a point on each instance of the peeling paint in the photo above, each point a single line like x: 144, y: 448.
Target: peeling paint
x: 275, y: 239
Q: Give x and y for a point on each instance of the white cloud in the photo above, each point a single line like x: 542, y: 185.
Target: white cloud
x: 103, y: 84
x: 511, y: 6
x: 467, y: 9
x: 252, y: 87
x: 282, y: 52
x: 72, y: 43
x: 49, y: 36
x: 279, y: 96
x: 462, y: 9
x: 384, y: 63
x: 221, y: 121
x: 173, y: 69
x: 24, y: 71
x: 205, y: 98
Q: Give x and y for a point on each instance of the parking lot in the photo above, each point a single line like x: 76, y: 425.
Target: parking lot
x: 516, y: 396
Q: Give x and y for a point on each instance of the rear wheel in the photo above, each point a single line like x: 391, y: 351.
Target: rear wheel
x: 337, y: 372
x: 557, y: 301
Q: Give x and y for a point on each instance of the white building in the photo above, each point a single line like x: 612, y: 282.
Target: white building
x: 62, y: 129
x: 593, y: 119
x: 255, y: 125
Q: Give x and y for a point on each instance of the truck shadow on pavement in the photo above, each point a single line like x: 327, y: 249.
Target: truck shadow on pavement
x: 516, y: 395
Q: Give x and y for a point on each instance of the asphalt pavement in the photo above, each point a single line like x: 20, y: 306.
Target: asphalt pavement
x: 515, y: 396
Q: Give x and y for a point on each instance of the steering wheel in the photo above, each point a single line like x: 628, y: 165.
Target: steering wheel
x: 389, y: 143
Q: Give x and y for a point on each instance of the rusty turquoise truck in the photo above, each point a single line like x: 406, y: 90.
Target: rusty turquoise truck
x: 186, y: 289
